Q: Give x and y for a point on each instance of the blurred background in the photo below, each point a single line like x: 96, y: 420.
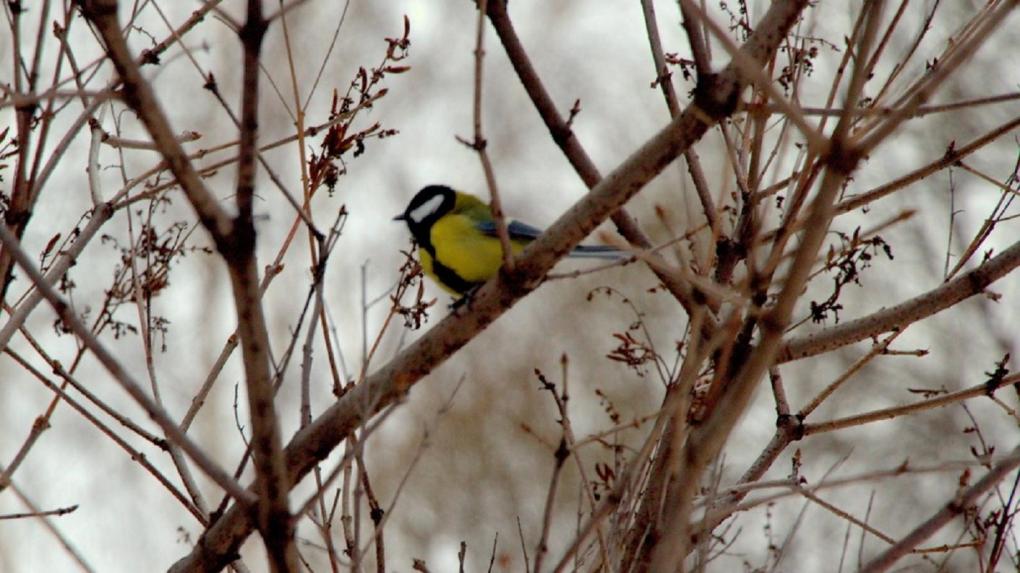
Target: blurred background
x: 469, y: 455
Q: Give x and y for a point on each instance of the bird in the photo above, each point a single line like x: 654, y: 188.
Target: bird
x: 458, y: 246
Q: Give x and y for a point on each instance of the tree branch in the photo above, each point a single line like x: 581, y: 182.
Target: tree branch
x: 392, y: 382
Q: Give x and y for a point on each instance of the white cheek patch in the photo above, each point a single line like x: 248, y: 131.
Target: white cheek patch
x: 425, y: 209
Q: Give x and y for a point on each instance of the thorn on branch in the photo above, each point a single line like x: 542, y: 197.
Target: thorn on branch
x: 997, y: 376
x: 477, y: 144
x: 211, y: 84
x: 575, y: 110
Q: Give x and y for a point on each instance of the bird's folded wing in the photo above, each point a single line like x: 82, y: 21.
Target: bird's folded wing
x: 516, y: 230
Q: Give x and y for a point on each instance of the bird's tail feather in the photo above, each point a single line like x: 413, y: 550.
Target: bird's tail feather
x: 598, y: 252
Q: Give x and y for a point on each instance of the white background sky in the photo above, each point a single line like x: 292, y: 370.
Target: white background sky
x: 480, y: 471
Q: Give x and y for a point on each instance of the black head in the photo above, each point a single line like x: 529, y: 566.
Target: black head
x: 427, y: 206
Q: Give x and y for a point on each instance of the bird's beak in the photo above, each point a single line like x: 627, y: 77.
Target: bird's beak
x: 400, y: 217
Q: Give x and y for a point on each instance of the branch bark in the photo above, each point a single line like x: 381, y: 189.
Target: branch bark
x: 392, y: 382
x: 235, y: 240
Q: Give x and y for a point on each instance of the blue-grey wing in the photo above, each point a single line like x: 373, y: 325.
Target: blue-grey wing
x: 526, y: 233
x: 516, y: 230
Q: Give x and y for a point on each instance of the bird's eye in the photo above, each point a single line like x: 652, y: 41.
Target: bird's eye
x: 419, y: 213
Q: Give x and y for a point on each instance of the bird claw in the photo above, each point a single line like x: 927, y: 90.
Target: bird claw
x: 465, y: 300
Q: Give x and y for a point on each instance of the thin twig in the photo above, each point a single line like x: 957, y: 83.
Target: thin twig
x: 960, y: 502
x: 122, y: 376
x: 391, y: 381
x: 479, y: 144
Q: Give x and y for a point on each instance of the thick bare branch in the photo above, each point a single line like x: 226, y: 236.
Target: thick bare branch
x: 391, y: 382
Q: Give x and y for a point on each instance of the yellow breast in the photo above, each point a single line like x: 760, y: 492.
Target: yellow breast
x: 459, y: 247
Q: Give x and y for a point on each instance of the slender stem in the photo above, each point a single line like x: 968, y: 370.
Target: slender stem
x: 119, y: 373
x: 480, y: 144
x: 954, y: 508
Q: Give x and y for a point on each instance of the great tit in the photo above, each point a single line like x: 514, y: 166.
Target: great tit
x: 457, y: 242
